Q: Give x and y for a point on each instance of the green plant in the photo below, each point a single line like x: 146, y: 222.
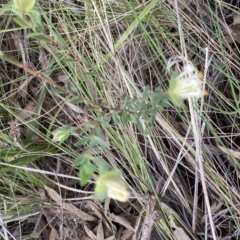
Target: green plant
x: 140, y: 111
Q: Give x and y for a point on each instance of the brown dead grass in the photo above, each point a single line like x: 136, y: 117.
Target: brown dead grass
x: 67, y: 211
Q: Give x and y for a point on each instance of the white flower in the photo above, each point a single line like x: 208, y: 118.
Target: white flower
x: 186, y: 84
x: 116, y: 189
x: 110, y: 184
x: 24, y: 6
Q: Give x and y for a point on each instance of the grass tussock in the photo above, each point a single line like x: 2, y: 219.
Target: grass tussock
x: 182, y: 170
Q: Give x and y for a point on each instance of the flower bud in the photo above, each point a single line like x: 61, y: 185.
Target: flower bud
x: 111, y: 185
x: 187, y: 84
x: 116, y: 189
x: 24, y: 6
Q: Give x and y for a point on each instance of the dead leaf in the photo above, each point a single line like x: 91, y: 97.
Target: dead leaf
x: 62, y: 78
x: 137, y: 225
x: 86, y: 238
x: 179, y: 232
x: 233, y: 34
x: 28, y: 110
x: 148, y: 226
x: 119, y: 232
x: 23, y: 88
x: 110, y: 238
x: 122, y: 221
x: 126, y: 234
x: 68, y: 206
x: 107, y: 228
x: 236, y: 19
x: 122, y: 205
x: 130, y: 217
x: 100, y: 234
x: 95, y: 209
x: 89, y: 233
x: 53, y: 234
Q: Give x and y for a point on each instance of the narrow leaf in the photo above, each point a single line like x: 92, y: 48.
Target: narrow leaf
x: 86, y: 173
x: 100, y: 191
x: 98, y: 141
x: 82, y: 159
x: 102, y: 165
x: 62, y: 133
x: 22, y: 23
x: 38, y: 36
x: 82, y: 141
x: 70, y: 60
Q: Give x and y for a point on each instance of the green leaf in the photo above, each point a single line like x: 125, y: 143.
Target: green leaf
x: 164, y: 104
x: 36, y: 19
x: 102, y: 165
x: 5, y: 8
x: 125, y: 117
x: 70, y: 60
x: 98, y: 141
x: 84, y: 177
x: 75, y: 100
x: 155, y: 99
x: 145, y: 93
x: 58, y: 38
x: 89, y: 167
x: 87, y: 128
x: 82, y: 141
x: 175, y: 99
x: 161, y: 95
x: 113, y: 177
x: 139, y: 125
x: 73, y: 89
x: 86, y: 173
x: 38, y: 36
x: 22, y: 23
x: 134, y: 106
x: 114, y: 174
x: 104, y: 121
x: 115, y: 117
x: 62, y: 133
x: 57, y: 90
x: 145, y: 116
x: 100, y: 191
x: 153, y: 115
x: 82, y: 159
x: 158, y: 91
x: 143, y: 105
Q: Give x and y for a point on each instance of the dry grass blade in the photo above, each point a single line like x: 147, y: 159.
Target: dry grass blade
x: 85, y: 68
x: 230, y: 152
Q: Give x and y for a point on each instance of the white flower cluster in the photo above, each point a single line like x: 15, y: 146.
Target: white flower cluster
x: 188, y: 84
